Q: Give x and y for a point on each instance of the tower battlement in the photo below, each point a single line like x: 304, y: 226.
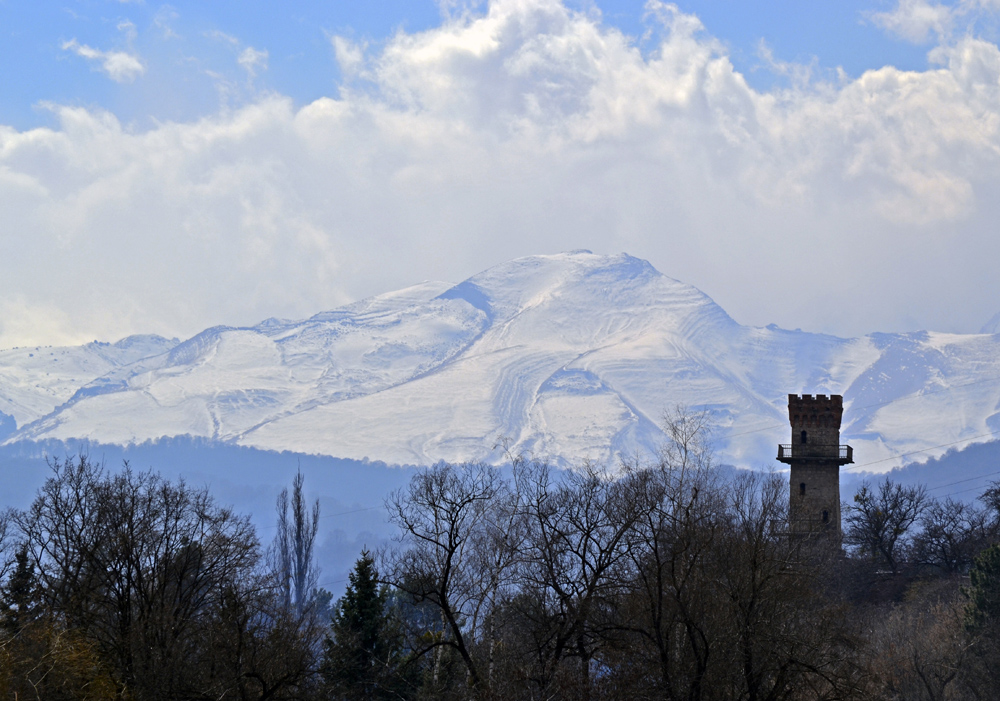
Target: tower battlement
x: 819, y: 410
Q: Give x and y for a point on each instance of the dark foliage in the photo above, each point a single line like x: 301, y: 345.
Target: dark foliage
x: 878, y: 524
x: 667, y: 580
x: 131, y: 586
x: 364, y: 658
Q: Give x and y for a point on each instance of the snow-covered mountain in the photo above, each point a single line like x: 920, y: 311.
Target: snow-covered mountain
x: 570, y: 357
x: 34, y: 381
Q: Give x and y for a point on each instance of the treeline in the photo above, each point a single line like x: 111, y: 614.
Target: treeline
x: 667, y: 580
x: 128, y: 586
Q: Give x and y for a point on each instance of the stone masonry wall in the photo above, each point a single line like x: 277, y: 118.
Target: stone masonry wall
x: 814, y: 484
x: 819, y: 416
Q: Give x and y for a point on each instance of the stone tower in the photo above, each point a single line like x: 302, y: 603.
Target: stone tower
x: 815, y: 456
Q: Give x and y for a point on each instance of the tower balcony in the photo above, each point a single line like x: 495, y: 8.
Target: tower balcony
x: 812, y: 452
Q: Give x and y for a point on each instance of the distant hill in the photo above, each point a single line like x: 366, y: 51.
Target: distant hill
x: 958, y: 474
x: 352, y: 492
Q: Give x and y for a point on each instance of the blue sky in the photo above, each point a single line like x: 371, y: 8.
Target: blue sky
x: 824, y: 165
x: 188, y: 48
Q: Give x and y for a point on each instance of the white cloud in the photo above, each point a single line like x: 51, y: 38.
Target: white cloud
x: 121, y: 66
x: 453, y: 10
x: 920, y: 21
x: 799, y: 74
x: 917, y: 21
x: 252, y: 60
x: 350, y: 56
x: 127, y: 27
x: 164, y: 19
x: 23, y: 324
x: 221, y: 36
x: 528, y: 128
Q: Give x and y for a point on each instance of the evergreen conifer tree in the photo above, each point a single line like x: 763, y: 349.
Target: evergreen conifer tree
x: 363, y: 657
x: 19, y: 597
x: 983, y: 611
x: 982, y: 617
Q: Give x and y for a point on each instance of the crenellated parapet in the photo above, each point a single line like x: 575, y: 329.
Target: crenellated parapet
x: 815, y: 411
x: 815, y: 421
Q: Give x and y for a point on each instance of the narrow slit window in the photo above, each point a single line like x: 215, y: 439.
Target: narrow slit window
x: 804, y: 437
x: 826, y: 517
x: 802, y: 488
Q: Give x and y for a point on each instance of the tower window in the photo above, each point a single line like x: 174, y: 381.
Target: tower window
x: 826, y: 517
x: 803, y: 437
x: 802, y: 488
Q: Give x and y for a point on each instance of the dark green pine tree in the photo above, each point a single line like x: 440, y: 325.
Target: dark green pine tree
x: 982, y: 618
x: 19, y: 597
x: 983, y: 610
x: 363, y: 657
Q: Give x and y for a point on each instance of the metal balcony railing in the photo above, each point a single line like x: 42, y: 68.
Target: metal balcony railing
x: 842, y: 454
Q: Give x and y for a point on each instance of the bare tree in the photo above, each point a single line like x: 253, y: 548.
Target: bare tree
x: 991, y: 500
x: 574, y: 563
x: 688, y: 446
x: 672, y: 609
x: 138, y: 565
x: 880, y: 519
x: 292, y: 550
x: 448, y: 519
x: 256, y: 648
x: 951, y: 535
x: 8, y: 543
x: 921, y: 650
x: 784, y: 637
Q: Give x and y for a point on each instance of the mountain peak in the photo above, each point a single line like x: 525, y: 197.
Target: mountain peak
x: 992, y: 326
x: 571, y: 356
x: 608, y: 282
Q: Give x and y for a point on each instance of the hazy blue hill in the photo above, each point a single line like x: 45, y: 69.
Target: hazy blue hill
x: 351, y: 492
x: 961, y: 474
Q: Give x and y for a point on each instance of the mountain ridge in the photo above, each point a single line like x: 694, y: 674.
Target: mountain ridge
x: 570, y: 357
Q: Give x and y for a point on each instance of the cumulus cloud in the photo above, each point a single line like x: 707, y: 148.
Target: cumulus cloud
x: 524, y: 128
x: 121, y: 66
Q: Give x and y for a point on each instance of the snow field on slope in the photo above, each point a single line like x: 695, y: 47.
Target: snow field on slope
x: 35, y: 380
x: 573, y: 356
x: 518, y: 361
